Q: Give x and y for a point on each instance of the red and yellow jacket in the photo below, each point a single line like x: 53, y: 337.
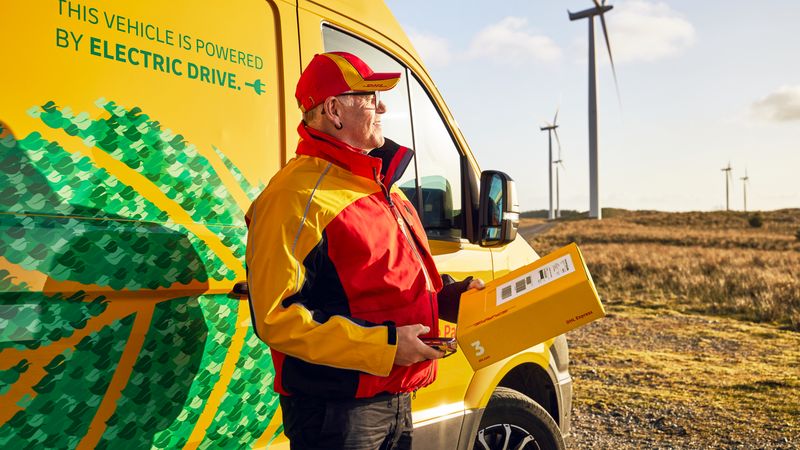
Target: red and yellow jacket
x: 337, y: 259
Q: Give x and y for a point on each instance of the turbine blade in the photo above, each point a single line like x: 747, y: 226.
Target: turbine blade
x: 610, y: 57
x: 597, y: 4
x: 555, y: 118
x: 559, y: 143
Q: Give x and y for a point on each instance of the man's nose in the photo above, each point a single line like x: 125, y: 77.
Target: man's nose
x: 381, y: 107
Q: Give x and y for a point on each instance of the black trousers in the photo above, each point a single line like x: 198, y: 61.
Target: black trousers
x: 382, y: 422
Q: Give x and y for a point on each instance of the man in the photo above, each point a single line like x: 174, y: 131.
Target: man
x: 342, y: 283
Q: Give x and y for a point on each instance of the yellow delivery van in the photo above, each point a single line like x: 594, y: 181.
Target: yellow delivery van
x: 133, y: 136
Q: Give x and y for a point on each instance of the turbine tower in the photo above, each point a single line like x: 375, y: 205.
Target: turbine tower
x: 551, y: 130
x: 727, y: 171
x: 744, y: 179
x: 558, y: 162
x: 599, y: 9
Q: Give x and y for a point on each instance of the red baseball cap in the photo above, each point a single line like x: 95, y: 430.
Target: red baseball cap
x: 334, y: 73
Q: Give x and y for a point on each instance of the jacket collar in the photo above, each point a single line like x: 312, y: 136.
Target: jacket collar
x: 388, y: 161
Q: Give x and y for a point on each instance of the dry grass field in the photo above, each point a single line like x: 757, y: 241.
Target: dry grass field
x: 712, y: 263
x: 701, y: 345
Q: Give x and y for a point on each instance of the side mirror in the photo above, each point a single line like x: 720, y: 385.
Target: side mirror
x: 498, y: 213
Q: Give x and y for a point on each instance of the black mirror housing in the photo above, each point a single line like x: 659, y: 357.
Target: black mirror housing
x: 498, y: 211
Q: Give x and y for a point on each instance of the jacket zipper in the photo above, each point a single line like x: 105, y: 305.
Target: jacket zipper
x: 401, y: 222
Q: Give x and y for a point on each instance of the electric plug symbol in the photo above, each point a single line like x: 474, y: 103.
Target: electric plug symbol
x: 257, y: 86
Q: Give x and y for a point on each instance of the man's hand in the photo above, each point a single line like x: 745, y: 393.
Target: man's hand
x: 476, y: 283
x: 410, y: 349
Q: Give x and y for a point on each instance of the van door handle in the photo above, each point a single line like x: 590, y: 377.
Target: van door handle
x: 240, y: 290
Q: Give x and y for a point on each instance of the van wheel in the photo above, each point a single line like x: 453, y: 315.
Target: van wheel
x: 514, y: 421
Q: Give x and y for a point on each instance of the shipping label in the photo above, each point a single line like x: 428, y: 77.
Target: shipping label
x: 534, y: 279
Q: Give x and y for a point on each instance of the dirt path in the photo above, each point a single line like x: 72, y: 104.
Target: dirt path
x: 529, y: 231
x: 650, y: 378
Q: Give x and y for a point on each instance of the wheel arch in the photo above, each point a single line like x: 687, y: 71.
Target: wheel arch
x: 537, y: 362
x: 528, y: 372
x: 534, y: 382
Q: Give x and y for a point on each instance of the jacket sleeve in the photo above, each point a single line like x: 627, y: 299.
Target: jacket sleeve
x: 283, y: 228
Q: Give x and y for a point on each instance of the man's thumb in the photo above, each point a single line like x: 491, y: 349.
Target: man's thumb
x: 422, y: 329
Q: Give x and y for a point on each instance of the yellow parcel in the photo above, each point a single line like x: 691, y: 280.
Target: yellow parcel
x: 528, y: 306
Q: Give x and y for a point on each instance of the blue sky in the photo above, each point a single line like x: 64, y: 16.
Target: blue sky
x: 701, y: 84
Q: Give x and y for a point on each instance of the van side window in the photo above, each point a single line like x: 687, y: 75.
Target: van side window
x: 438, y: 166
x: 432, y: 181
x: 396, y: 122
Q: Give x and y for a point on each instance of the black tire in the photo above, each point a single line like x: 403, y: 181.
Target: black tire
x: 515, y: 422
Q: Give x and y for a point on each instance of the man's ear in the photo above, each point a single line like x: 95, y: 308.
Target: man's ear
x: 331, y: 110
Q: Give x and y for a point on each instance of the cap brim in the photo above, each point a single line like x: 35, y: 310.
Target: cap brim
x: 378, y: 82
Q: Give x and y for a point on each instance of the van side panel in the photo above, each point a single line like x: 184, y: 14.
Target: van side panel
x: 133, y: 136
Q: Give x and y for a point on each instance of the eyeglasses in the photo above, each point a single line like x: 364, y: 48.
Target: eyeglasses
x: 373, y: 97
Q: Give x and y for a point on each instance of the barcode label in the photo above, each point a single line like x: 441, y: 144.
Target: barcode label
x: 532, y: 280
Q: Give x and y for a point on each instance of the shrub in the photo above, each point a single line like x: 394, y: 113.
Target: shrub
x: 755, y: 221
x: 797, y: 234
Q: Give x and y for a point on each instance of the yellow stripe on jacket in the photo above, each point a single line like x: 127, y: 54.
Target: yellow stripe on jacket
x: 277, y: 246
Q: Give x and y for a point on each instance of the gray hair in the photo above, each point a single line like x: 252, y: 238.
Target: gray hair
x: 315, y: 114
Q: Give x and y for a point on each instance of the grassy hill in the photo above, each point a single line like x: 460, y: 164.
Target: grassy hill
x: 714, y: 262
x: 701, y: 345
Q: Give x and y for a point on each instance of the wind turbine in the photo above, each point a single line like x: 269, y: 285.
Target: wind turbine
x: 551, y: 130
x: 599, y: 9
x: 558, y: 162
x: 744, y: 179
x: 727, y: 171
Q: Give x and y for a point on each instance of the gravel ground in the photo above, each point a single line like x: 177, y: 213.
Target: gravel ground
x: 656, y: 379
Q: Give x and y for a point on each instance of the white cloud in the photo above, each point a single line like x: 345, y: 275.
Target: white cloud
x: 641, y: 30
x: 782, y: 105
x: 512, y: 41
x: 434, y: 50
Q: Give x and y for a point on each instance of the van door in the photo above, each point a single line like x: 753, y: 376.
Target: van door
x: 133, y: 136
